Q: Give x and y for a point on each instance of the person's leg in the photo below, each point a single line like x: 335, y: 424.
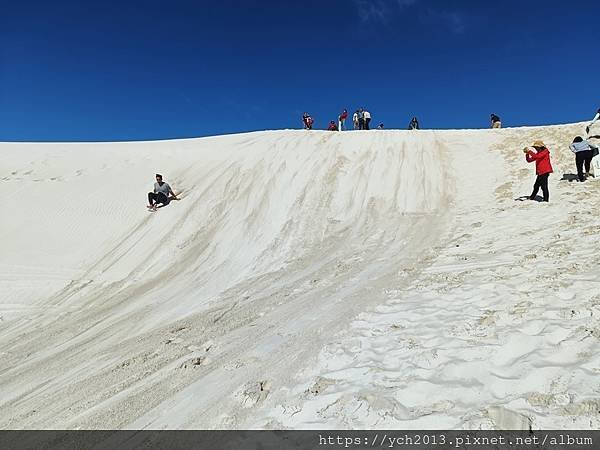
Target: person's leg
x: 544, y: 185
x: 161, y: 198
x: 151, y: 198
x: 588, y: 161
x: 536, y: 188
x: 367, y: 122
x: 579, y: 159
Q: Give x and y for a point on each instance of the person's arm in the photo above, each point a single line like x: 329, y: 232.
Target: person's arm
x: 572, y: 148
x: 173, y: 196
x: 530, y: 155
x: 533, y: 156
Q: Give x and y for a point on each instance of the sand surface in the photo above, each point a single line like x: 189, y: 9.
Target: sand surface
x: 382, y: 279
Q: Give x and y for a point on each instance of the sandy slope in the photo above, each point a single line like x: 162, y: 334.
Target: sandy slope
x: 306, y: 279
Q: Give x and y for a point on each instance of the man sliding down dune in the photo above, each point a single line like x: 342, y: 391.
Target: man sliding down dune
x: 162, y: 194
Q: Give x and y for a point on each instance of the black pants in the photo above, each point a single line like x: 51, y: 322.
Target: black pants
x: 154, y: 198
x: 367, y: 122
x: 582, y: 158
x: 361, y: 124
x: 541, y: 182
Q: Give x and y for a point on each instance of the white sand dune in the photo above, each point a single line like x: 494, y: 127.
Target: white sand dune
x: 305, y: 280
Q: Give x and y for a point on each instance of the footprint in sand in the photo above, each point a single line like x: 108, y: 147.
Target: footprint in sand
x: 193, y: 363
x: 320, y: 385
x: 253, y: 393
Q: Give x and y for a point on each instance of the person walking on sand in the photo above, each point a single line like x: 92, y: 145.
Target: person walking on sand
x: 495, y: 120
x: 594, y: 120
x: 583, y: 155
x: 162, y: 194
x: 367, y: 118
x: 543, y: 168
x: 342, y: 120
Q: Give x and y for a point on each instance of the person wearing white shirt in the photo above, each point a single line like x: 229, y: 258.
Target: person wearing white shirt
x: 355, y: 119
x: 367, y: 117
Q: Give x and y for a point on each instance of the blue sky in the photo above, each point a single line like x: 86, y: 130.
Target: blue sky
x: 136, y: 70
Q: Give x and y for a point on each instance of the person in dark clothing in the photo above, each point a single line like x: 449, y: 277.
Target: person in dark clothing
x: 543, y: 168
x: 414, y: 124
x: 162, y: 194
x: 361, y: 119
x: 332, y: 126
x: 496, y: 123
x: 583, y: 156
x: 307, y: 121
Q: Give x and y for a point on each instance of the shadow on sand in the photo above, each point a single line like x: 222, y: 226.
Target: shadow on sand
x: 522, y: 198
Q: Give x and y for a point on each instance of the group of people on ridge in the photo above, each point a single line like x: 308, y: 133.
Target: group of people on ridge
x: 361, y: 120
x: 584, y: 153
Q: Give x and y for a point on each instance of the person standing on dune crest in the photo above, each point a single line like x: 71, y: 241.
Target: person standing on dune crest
x: 495, y: 120
x: 543, y: 168
x: 361, y: 119
x: 367, y: 119
x: 342, y: 120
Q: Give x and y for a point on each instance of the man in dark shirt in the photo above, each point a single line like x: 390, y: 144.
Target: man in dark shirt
x: 496, y: 123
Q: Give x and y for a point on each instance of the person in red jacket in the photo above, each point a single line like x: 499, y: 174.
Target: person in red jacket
x: 543, y: 168
x: 342, y: 120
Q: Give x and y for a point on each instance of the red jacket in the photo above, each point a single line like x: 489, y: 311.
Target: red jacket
x: 542, y: 161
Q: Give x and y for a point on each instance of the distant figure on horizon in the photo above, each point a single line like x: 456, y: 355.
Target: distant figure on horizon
x: 594, y: 120
x: 162, y: 194
x: 380, y: 126
x: 584, y: 153
x: 367, y: 119
x: 355, y: 119
x: 496, y: 122
x: 332, y: 126
x: 342, y: 120
x: 361, y: 119
x: 414, y: 124
x: 543, y: 168
x: 308, y: 121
